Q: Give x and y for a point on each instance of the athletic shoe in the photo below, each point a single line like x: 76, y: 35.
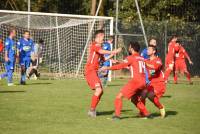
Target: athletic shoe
x: 23, y: 83
x: 115, y: 118
x: 92, y: 113
x: 162, y: 113
x: 11, y: 84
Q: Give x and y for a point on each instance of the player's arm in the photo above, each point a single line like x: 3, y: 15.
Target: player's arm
x: 7, y: 47
x: 101, y: 51
x: 187, y: 56
x: 119, y: 66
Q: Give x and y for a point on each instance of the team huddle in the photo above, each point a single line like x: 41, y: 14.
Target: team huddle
x: 147, y: 78
x: 23, y: 52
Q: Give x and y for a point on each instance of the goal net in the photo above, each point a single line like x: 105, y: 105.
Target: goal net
x: 66, y: 39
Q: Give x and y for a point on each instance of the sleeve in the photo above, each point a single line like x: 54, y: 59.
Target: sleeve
x: 97, y: 48
x: 157, y: 65
x: 142, y: 53
x: 105, y: 46
x: 7, y: 45
x: 185, y: 53
x: 125, y: 64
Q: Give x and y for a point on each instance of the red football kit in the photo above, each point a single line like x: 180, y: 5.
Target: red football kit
x: 156, y: 77
x: 137, y: 66
x: 180, y: 64
x: 92, y: 66
x: 169, y: 61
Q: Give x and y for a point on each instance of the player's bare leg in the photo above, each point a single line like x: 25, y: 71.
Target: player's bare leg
x: 95, y: 100
x: 155, y: 100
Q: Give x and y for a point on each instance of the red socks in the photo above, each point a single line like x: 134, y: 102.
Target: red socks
x: 94, y: 102
x: 167, y: 73
x: 118, y: 106
x: 157, y: 103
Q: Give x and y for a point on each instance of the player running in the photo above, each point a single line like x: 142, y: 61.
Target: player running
x: 25, y: 49
x: 137, y: 83
x: 104, y: 75
x: 180, y: 65
x: 10, y: 57
x: 91, y: 69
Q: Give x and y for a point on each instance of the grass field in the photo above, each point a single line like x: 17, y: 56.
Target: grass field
x: 60, y: 107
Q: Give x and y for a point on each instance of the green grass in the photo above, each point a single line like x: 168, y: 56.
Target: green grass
x: 60, y: 107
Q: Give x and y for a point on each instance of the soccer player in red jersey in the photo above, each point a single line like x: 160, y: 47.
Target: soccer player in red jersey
x: 180, y: 64
x: 91, y: 69
x: 137, y: 67
x: 156, y: 87
x: 169, y: 61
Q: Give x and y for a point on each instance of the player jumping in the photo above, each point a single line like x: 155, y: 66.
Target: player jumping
x: 91, y: 69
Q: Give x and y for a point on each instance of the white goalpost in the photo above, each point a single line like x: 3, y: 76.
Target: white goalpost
x: 66, y: 38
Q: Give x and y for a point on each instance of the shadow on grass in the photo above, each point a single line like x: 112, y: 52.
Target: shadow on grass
x: 168, y: 113
x: 111, y: 112
x: 166, y: 96
x: 114, y: 85
x: 12, y: 91
x: 39, y: 83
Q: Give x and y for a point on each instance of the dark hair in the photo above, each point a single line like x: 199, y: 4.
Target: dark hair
x: 41, y: 41
x: 154, y: 48
x: 135, y: 46
x: 26, y: 31
x: 98, y: 32
x: 174, y: 36
x: 11, y: 30
x: 152, y: 38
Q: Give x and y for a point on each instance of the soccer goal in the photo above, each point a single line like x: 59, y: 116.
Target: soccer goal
x: 66, y: 38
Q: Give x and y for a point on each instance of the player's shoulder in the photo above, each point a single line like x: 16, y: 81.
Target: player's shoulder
x: 158, y: 60
x: 7, y: 41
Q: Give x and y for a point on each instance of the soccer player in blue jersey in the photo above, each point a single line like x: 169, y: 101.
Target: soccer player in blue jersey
x: 104, y: 75
x: 25, y: 50
x: 10, y: 50
x: 152, y: 42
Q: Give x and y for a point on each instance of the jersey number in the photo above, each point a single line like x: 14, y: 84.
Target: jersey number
x: 141, y: 66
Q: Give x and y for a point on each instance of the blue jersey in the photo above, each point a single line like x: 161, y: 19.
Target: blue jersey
x: 144, y: 54
x: 106, y: 46
x: 25, y: 47
x: 10, y: 47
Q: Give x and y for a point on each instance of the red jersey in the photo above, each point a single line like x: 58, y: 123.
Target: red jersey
x: 172, y: 47
x: 136, y: 65
x: 181, y: 54
x: 155, y: 71
x: 1, y: 47
x: 94, y: 57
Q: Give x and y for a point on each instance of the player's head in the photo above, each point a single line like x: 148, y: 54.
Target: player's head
x: 26, y: 34
x: 134, y: 47
x: 153, y: 42
x: 174, y: 38
x: 12, y: 32
x: 99, y: 36
x: 152, y: 50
